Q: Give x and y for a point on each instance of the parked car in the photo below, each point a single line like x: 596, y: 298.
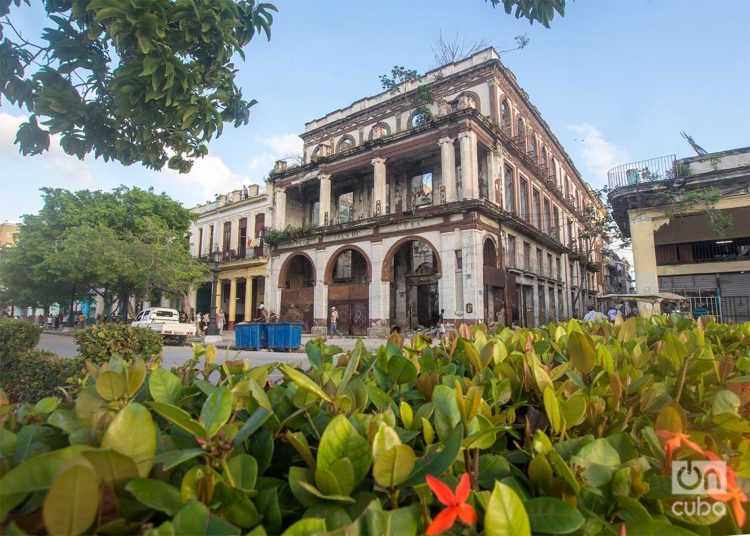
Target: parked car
x: 167, y: 322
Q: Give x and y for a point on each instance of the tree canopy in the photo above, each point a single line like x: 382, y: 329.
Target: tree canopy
x: 149, y: 81
x: 131, y: 242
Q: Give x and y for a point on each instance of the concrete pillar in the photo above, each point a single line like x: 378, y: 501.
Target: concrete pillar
x: 644, y: 258
x: 469, y: 165
x: 279, y: 210
x: 320, y: 295
x: 494, y: 173
x: 378, y: 191
x: 232, y: 302
x: 448, y: 168
x: 325, y: 200
x: 494, y: 101
x: 248, y: 299
x: 219, y: 285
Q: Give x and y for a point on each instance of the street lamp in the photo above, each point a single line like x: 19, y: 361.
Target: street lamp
x: 213, y: 329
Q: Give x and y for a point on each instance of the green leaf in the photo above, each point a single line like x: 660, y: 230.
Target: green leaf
x: 244, y: 471
x: 72, y: 501
x: 164, y: 386
x: 46, y: 405
x: 311, y: 526
x: 110, y: 385
x: 581, y: 352
x: 506, y: 515
x: 251, y: 425
x: 180, y: 418
x: 552, y: 408
x: 447, y: 414
x: 574, y: 410
x: 393, y: 467
x: 173, y: 458
x: 660, y: 528
x: 407, y: 415
x: 341, y: 440
x: 548, y: 515
x: 156, y: 494
x: 599, y: 460
x: 355, y: 357
x: 304, y: 382
x: 216, y: 410
x: 7, y: 443
x: 132, y: 433
x: 401, y: 370
x: 385, y: 438
x: 436, y: 463
x: 195, y: 519
x: 112, y: 467
x: 136, y: 376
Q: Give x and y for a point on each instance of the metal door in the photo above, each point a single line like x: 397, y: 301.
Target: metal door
x: 297, y: 306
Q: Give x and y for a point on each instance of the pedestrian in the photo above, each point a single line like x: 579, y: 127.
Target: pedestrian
x: 334, y: 320
x: 263, y: 315
x: 50, y: 321
x: 220, y: 321
x: 613, y: 312
x: 198, y: 330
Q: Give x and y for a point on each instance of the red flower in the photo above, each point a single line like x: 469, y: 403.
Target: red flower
x: 673, y: 443
x: 455, y: 505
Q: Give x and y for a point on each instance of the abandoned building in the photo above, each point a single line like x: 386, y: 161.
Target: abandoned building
x: 233, y: 224
x: 462, y: 205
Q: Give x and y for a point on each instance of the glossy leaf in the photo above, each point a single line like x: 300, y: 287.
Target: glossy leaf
x: 132, y: 433
x: 156, y: 494
x: 548, y: 515
x: 341, y: 440
x: 72, y: 501
x: 394, y: 466
x: 506, y: 515
x: 216, y: 410
x: 164, y: 386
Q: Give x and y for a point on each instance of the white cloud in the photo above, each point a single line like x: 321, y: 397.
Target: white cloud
x: 70, y: 166
x: 599, y: 155
x: 278, y: 146
x: 209, y: 176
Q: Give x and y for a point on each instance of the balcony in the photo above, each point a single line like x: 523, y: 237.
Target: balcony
x: 655, y: 169
x: 734, y: 249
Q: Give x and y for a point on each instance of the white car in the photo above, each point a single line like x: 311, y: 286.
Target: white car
x: 165, y: 321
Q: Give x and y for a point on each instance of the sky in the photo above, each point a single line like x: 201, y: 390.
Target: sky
x: 616, y: 81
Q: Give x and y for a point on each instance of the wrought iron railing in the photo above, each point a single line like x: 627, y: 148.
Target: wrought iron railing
x: 708, y: 251
x: 655, y: 169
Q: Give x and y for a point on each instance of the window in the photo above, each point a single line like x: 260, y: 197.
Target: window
x: 521, y: 133
x: 505, y: 117
x: 316, y: 213
x: 547, y: 217
x: 511, y: 260
x: 554, y: 171
x: 421, y: 188
x: 549, y: 265
x: 459, y: 281
x: 570, y: 231
x: 545, y: 160
x: 346, y: 207
x: 510, y: 194
x: 379, y: 131
x: 524, y: 199
x: 227, y: 244
x: 346, y: 143
x: 527, y: 256
x: 556, y: 228
x: 537, y: 208
x: 539, y: 261
x: 559, y: 268
x: 421, y: 118
x: 532, y: 147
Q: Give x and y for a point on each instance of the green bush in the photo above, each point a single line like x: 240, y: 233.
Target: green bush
x: 16, y: 336
x: 99, y: 342
x: 570, y: 428
x: 37, y: 374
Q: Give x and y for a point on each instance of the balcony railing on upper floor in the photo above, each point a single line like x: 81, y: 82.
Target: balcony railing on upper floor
x: 246, y: 254
x: 734, y: 249
x: 655, y: 169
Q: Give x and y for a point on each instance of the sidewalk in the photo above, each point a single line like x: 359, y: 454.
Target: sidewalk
x: 345, y: 342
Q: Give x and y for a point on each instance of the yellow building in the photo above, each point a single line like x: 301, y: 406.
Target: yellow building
x: 689, y: 221
x: 7, y: 231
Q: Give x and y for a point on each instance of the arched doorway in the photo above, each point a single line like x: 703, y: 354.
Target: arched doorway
x: 414, y: 271
x: 348, y: 279
x: 494, y: 284
x: 297, y: 282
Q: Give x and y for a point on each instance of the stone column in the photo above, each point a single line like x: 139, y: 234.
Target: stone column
x: 378, y: 191
x: 325, y: 200
x: 644, y: 258
x: 469, y: 165
x: 232, y: 302
x: 219, y: 285
x: 494, y: 173
x: 320, y: 294
x: 279, y: 210
x: 448, y: 169
x: 248, y: 299
x: 494, y: 102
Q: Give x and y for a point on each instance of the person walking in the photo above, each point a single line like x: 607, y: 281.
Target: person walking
x: 220, y: 321
x: 333, y: 330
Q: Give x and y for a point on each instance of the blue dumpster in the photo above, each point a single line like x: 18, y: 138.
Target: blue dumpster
x: 250, y: 335
x: 284, y: 336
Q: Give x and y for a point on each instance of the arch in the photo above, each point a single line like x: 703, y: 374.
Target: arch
x: 328, y: 276
x: 469, y: 99
x: 288, y: 264
x: 490, y: 257
x: 386, y: 276
x: 346, y: 143
x: 505, y: 113
x: 380, y: 130
x: 419, y: 117
x: 533, y: 146
x: 321, y: 151
x: 521, y: 130
x: 545, y: 159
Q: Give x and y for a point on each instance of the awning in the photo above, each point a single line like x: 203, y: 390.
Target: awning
x: 655, y: 297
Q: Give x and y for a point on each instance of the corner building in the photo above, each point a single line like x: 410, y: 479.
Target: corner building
x: 468, y: 205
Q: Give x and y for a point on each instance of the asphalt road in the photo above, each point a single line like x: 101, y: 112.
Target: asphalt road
x: 64, y: 345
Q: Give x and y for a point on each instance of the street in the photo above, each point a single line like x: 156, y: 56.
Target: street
x: 65, y: 346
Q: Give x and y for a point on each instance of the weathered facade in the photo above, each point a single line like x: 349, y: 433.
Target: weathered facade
x: 233, y: 224
x: 662, y: 205
x: 402, y: 210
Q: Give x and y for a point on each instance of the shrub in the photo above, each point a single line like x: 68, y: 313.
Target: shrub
x: 566, y: 429
x: 16, y: 336
x: 99, y: 342
x: 37, y: 374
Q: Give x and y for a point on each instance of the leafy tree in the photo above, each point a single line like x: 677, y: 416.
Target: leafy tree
x: 149, y: 81
x: 541, y: 11
x: 129, y: 242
